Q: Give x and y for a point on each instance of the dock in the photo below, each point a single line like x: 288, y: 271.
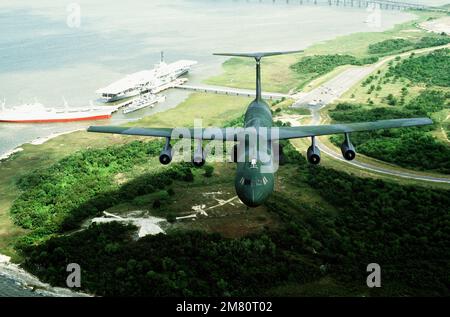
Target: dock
x: 172, y: 84
x: 230, y: 91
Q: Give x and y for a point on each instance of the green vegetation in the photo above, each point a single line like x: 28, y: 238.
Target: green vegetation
x: 58, y: 198
x: 406, y: 229
x: 411, y: 147
x: 311, y: 67
x: 209, y: 170
x: 430, y: 41
x: 389, y: 46
x: 392, y: 46
x: 432, y: 69
x: 371, y: 221
x: 410, y: 86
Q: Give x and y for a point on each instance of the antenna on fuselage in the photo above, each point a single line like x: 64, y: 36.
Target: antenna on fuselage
x: 257, y: 57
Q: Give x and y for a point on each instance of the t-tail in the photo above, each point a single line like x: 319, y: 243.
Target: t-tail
x: 257, y: 56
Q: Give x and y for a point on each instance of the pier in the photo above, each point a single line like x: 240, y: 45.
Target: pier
x: 231, y: 91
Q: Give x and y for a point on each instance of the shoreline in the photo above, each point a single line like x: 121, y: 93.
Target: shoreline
x: 27, y: 281
x: 42, y: 140
x: 8, y: 154
x: 37, y: 141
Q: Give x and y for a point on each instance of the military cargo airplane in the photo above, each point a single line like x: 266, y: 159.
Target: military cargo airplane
x: 254, y: 181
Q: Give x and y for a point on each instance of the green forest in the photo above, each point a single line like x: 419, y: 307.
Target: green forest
x: 410, y: 147
x: 431, y: 69
x: 60, y: 197
x: 404, y: 229
x: 322, y: 64
x: 403, y: 45
x: 318, y: 65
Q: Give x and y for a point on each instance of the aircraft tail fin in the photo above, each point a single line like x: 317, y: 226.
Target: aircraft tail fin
x: 257, y: 56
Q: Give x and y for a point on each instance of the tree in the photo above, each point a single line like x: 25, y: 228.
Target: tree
x: 209, y: 169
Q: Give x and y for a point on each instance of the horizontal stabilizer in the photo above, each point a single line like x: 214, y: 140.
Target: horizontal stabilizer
x: 257, y: 55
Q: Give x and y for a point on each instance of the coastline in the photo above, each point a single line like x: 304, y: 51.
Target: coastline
x: 8, y: 154
x: 42, y: 140
x: 27, y: 281
x: 37, y: 141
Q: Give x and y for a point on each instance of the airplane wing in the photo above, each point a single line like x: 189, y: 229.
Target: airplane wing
x: 317, y: 130
x: 203, y: 134
x: 231, y: 134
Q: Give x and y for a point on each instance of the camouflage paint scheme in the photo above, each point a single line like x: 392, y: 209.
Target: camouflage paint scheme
x: 254, y: 180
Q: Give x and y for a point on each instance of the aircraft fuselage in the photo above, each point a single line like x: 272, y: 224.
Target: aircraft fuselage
x: 253, y: 182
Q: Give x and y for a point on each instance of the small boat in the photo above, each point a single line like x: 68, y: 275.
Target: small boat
x: 143, y: 101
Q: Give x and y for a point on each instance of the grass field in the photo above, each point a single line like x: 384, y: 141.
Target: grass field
x: 276, y: 74
x: 213, y: 110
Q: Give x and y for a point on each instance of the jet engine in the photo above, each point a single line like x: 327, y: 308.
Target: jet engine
x: 166, y: 154
x: 347, y: 149
x: 313, y: 153
x: 199, y: 156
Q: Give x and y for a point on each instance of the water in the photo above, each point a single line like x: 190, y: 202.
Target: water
x: 8, y: 287
x: 42, y: 58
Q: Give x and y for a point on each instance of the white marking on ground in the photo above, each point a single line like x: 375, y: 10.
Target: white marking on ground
x: 147, y: 225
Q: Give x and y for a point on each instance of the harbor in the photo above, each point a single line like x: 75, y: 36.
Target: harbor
x: 131, y: 93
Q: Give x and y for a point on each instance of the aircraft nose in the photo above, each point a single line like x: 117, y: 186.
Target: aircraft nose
x: 252, y: 196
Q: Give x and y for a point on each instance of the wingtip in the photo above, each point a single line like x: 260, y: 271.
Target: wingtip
x: 92, y: 128
x: 427, y: 121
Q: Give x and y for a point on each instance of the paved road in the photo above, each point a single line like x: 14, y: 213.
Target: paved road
x: 334, y: 89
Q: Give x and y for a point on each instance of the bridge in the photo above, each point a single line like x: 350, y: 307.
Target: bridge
x: 381, y: 4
